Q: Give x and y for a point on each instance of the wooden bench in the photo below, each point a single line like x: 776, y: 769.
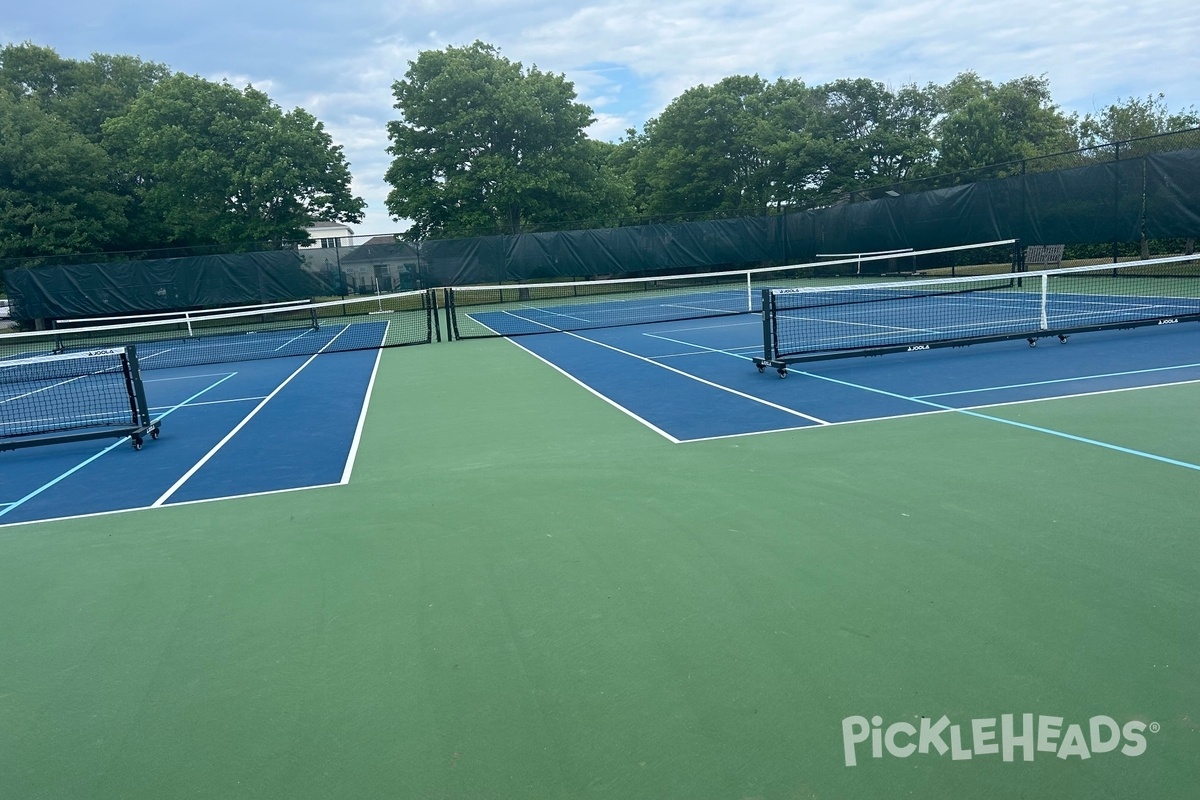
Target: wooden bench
x: 1045, y: 255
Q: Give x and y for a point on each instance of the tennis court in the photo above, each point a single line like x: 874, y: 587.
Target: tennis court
x: 624, y: 563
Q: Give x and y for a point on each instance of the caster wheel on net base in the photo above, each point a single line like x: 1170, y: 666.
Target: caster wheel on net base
x: 1062, y: 338
x: 137, y: 443
x: 782, y: 372
x: 1032, y: 342
x: 761, y: 368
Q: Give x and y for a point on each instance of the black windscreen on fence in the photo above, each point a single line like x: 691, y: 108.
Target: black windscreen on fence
x: 1121, y: 200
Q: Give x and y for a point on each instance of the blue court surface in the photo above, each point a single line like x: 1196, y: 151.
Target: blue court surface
x: 228, y: 430
x: 694, y: 380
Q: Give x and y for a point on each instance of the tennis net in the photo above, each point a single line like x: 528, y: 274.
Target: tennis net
x: 71, y: 397
x: 529, y: 308
x: 361, y: 323
x: 182, y: 316
x: 809, y: 323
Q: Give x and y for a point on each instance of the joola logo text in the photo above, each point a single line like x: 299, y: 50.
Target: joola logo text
x: 1010, y: 734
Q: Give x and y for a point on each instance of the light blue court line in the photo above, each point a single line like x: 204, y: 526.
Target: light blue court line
x: 245, y: 420
x: 110, y: 448
x: 940, y: 407
x: 1049, y: 431
x: 1058, y: 380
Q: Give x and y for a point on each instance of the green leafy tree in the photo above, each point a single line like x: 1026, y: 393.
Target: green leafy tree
x: 741, y: 144
x: 1134, y: 118
x: 210, y: 164
x: 873, y: 135
x: 56, y: 191
x: 986, y: 123
x: 485, y: 145
x: 81, y: 94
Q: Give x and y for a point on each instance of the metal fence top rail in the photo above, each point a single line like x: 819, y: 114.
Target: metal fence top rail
x: 1037, y: 274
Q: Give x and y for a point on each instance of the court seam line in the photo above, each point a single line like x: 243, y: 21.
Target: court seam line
x: 9, y: 507
x: 225, y: 439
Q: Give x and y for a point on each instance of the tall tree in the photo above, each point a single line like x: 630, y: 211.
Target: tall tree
x: 81, y: 94
x: 486, y: 145
x: 56, y: 190
x: 740, y: 144
x: 1134, y: 118
x: 986, y: 123
x: 211, y: 164
x: 874, y: 135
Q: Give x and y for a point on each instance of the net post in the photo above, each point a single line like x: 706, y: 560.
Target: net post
x: 768, y: 317
x: 130, y: 392
x: 431, y: 310
x: 451, y: 322
x: 133, y: 372
x: 1045, y: 296
x: 316, y: 321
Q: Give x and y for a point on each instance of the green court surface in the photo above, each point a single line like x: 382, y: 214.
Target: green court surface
x: 524, y: 593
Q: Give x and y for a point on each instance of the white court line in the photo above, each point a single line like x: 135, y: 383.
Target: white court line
x: 95, y: 514
x: 9, y: 507
x: 183, y: 377
x: 1097, y: 376
x: 214, y: 402
x: 948, y: 409
x: 603, y: 397
x: 541, y: 311
x: 362, y: 416
x: 648, y: 360
x: 225, y: 440
x: 1013, y: 423
x: 827, y: 321
x: 299, y: 336
x: 972, y: 411
x: 698, y: 379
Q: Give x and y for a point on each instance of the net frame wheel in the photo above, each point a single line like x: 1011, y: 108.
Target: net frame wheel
x: 154, y: 433
x: 1032, y: 341
x: 1062, y: 338
x: 137, y: 443
x: 761, y: 368
x: 783, y: 372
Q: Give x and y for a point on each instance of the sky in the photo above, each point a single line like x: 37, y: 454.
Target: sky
x: 628, y: 59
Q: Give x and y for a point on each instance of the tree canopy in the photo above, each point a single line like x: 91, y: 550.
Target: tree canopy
x: 56, y: 192
x: 486, y: 145
x: 208, y: 163
x: 114, y: 153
